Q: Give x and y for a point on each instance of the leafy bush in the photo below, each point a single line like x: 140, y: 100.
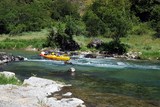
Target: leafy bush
x: 62, y: 8
x: 105, y: 17
x: 94, y: 25
x: 61, y: 40
x: 147, y: 47
x: 142, y: 9
x: 20, y: 16
x: 155, y: 16
x: 140, y: 29
x: 74, y: 26
x: 9, y: 80
x: 157, y: 35
x: 114, y: 47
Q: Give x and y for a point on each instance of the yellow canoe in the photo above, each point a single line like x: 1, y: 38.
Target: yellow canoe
x: 58, y: 58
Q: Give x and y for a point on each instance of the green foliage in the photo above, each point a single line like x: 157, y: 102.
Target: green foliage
x: 9, y: 80
x: 150, y: 55
x: 110, y: 19
x: 142, y: 9
x: 140, y: 29
x: 74, y: 26
x: 19, y: 16
x: 147, y: 10
x: 114, y: 47
x: 84, y: 48
x: 106, y: 18
x: 147, y: 47
x: 19, y: 44
x: 58, y: 38
x: 94, y: 25
x: 155, y: 16
x: 51, y: 39
x: 61, y: 8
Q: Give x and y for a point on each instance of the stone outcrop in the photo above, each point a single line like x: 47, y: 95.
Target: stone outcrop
x: 7, y: 74
x: 90, y: 56
x: 5, y: 58
x: 95, y: 43
x: 133, y: 55
x: 36, y: 92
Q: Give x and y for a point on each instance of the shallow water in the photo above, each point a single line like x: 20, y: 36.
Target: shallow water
x: 95, y: 78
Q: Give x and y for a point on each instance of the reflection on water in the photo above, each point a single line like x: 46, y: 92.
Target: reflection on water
x: 139, y: 79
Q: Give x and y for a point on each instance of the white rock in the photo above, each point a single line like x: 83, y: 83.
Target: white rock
x: 65, y: 102
x: 38, y: 82
x: 34, y: 93
x: 68, y: 94
x: 8, y: 74
x: 71, y: 102
x: 72, y: 69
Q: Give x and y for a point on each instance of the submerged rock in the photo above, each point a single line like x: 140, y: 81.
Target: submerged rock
x: 71, y: 70
x: 90, y: 56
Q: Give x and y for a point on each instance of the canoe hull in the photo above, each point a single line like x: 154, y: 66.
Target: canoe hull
x: 58, y: 58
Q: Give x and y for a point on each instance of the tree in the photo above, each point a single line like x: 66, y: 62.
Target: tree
x: 110, y: 19
x: 61, y: 8
x: 23, y: 15
x: 155, y: 17
x: 142, y: 9
x: 59, y: 39
x: 106, y: 17
x: 74, y: 26
x: 94, y: 25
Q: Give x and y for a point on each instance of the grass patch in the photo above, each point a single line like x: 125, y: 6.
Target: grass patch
x: 27, y: 35
x: 9, y: 80
x: 140, y: 29
x: 143, y: 41
x: 147, y: 44
x: 34, y: 39
x: 21, y: 43
x: 150, y: 55
x: 83, y: 41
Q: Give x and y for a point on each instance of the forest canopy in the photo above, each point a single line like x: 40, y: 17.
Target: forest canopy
x: 102, y: 17
x: 108, y: 18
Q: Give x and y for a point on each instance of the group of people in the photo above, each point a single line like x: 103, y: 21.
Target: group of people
x: 50, y: 53
x: 43, y: 53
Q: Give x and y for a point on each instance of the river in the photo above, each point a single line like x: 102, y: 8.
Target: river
x: 100, y: 82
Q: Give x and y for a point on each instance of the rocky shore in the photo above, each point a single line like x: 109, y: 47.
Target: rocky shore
x: 5, y: 58
x: 89, y: 54
x: 36, y: 92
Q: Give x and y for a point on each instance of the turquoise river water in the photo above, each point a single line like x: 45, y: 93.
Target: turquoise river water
x: 95, y: 77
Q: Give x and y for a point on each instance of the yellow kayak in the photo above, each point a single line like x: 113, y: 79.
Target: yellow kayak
x: 58, y: 58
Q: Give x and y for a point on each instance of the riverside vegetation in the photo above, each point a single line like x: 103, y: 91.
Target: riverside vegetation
x: 122, y: 25
x: 9, y: 80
